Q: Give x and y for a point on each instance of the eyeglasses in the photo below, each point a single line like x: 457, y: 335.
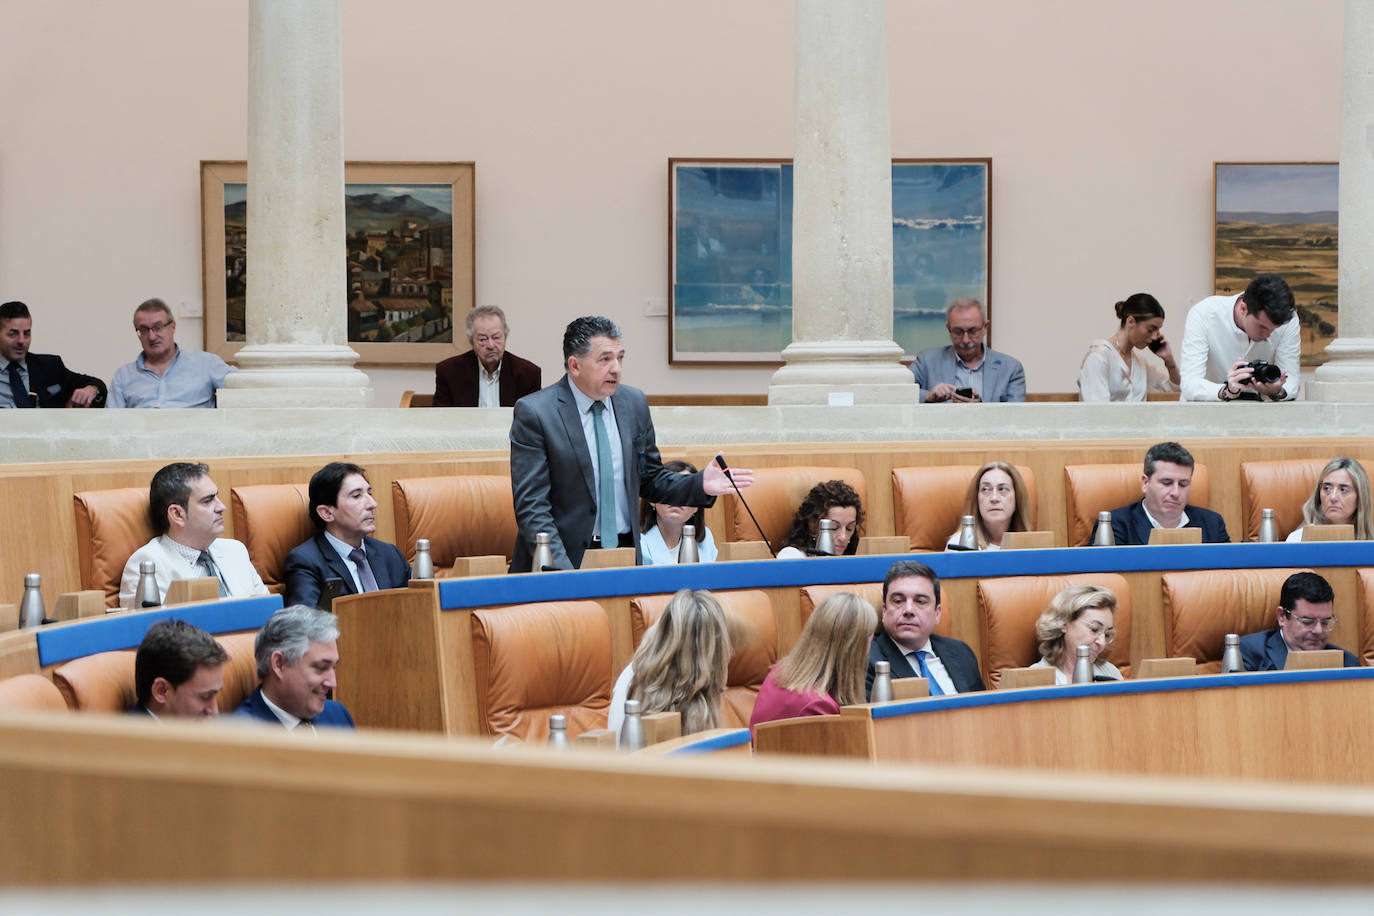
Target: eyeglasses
x: 1108, y: 634
x: 1325, y: 623
x: 144, y: 331
x: 973, y: 332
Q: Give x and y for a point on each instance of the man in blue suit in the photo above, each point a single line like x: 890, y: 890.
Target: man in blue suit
x: 966, y: 365
x: 907, y: 642
x: 344, y: 513
x: 1165, y: 483
x: 296, y: 652
x: 1305, y: 616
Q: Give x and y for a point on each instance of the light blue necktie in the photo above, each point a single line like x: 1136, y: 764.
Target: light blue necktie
x: 935, y: 689
x: 605, y: 500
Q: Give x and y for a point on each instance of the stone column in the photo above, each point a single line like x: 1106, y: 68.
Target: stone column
x: 297, y: 352
x: 1348, y: 375
x: 842, y: 213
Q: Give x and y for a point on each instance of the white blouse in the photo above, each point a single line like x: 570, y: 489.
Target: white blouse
x: 1104, y: 375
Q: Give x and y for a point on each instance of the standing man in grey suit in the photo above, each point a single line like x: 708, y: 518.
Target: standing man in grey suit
x: 582, y: 452
x: 910, y: 612
x: 966, y: 371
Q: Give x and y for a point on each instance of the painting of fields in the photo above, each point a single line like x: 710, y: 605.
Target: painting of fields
x: 1281, y: 218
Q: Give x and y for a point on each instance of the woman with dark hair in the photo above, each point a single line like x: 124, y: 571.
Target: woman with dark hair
x: 1113, y: 370
x: 661, y: 527
x: 835, y: 500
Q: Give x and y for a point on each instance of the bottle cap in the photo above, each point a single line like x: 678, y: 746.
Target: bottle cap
x: 33, y: 580
x: 422, y: 544
x: 558, y: 722
x: 1266, y: 513
x: 689, y: 531
x: 1083, y: 651
x: 1104, y: 516
x: 147, y: 566
x: 1232, y: 639
x: 631, y: 707
x: 882, y: 667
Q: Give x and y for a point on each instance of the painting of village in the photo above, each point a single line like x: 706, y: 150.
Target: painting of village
x: 1281, y: 218
x: 731, y: 254
x: 408, y: 257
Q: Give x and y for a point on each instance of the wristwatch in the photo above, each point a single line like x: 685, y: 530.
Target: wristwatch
x: 1225, y: 393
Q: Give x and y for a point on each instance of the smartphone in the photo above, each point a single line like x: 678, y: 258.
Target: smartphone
x: 333, y: 588
x: 964, y: 392
x: 1156, y: 345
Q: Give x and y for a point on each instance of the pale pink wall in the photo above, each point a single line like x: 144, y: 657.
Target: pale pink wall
x: 1102, y: 118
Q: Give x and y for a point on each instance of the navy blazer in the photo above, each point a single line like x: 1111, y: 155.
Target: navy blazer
x: 455, y: 380
x: 1266, y: 651
x: 308, y: 565
x: 53, y: 382
x: 1004, y: 379
x: 254, y: 706
x: 1131, y: 526
x: 956, y: 656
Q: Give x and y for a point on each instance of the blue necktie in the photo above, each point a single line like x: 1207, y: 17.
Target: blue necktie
x: 935, y: 689
x: 605, y: 499
x: 18, y: 392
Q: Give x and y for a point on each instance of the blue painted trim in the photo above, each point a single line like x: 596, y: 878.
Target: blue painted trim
x: 125, y: 631
x: 718, y: 743
x: 652, y: 580
x: 1117, y: 688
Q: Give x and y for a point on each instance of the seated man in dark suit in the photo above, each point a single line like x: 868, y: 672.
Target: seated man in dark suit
x: 35, y: 379
x: 296, y: 652
x: 178, y: 671
x: 342, y: 508
x: 1168, y: 475
x: 486, y: 375
x: 1304, y: 618
x: 911, y: 609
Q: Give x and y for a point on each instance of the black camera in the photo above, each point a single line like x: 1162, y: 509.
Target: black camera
x: 1262, y: 372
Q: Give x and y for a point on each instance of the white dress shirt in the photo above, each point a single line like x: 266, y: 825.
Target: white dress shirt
x: 1212, y: 343
x: 488, y: 386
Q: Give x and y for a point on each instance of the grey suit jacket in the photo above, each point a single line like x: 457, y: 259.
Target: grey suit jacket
x: 1003, y: 377
x: 553, y: 480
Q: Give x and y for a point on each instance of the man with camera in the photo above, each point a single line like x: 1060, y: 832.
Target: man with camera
x: 1242, y: 348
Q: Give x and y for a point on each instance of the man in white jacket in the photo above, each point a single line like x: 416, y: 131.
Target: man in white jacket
x: 186, y: 512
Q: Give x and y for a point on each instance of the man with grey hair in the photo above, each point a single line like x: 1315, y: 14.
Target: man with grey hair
x: 486, y: 375
x: 967, y: 371
x: 164, y: 375
x: 582, y: 453
x: 296, y: 651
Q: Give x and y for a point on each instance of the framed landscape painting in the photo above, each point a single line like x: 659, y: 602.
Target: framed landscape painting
x: 1280, y: 217
x: 730, y: 253
x: 408, y: 257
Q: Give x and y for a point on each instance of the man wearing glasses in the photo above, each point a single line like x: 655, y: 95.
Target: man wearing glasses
x: 164, y: 375
x: 966, y: 371
x: 1304, y: 618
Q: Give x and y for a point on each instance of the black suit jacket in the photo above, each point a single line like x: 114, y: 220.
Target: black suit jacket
x: 1266, y: 651
x: 956, y: 656
x: 455, y: 380
x: 553, y: 481
x: 53, y: 382
x: 308, y: 565
x: 1131, y: 526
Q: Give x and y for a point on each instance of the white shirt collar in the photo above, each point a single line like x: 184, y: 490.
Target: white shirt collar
x: 1182, y: 517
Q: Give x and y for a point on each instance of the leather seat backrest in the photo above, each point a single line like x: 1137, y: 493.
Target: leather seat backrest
x: 1279, y: 485
x: 1201, y: 607
x: 927, y: 502
x: 31, y: 692
x: 775, y: 496
x: 271, y: 520
x: 103, y: 682
x: 752, y: 659
x: 110, y: 526
x: 471, y: 516
x: 534, y: 660
x: 1008, y: 609
x: 1364, y: 586
x: 1093, y: 488
x: 240, y: 671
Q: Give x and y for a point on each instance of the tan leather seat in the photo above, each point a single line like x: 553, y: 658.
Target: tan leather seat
x: 271, y: 520
x: 1093, y: 488
x: 240, y: 671
x: 1279, y: 485
x: 1201, y: 607
x: 1008, y: 609
x: 813, y: 595
x: 110, y: 526
x: 534, y: 660
x: 927, y: 502
x: 471, y: 516
x: 775, y: 496
x: 749, y: 664
x: 31, y: 692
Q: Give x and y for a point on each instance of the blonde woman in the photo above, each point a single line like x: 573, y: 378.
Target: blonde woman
x: 681, y: 664
x: 825, y: 670
x: 998, y: 502
x: 1341, y: 497
x: 1080, y: 615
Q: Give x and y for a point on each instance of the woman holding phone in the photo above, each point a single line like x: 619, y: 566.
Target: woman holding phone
x: 1113, y: 370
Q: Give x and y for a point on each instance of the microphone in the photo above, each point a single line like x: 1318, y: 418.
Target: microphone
x: 720, y: 460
